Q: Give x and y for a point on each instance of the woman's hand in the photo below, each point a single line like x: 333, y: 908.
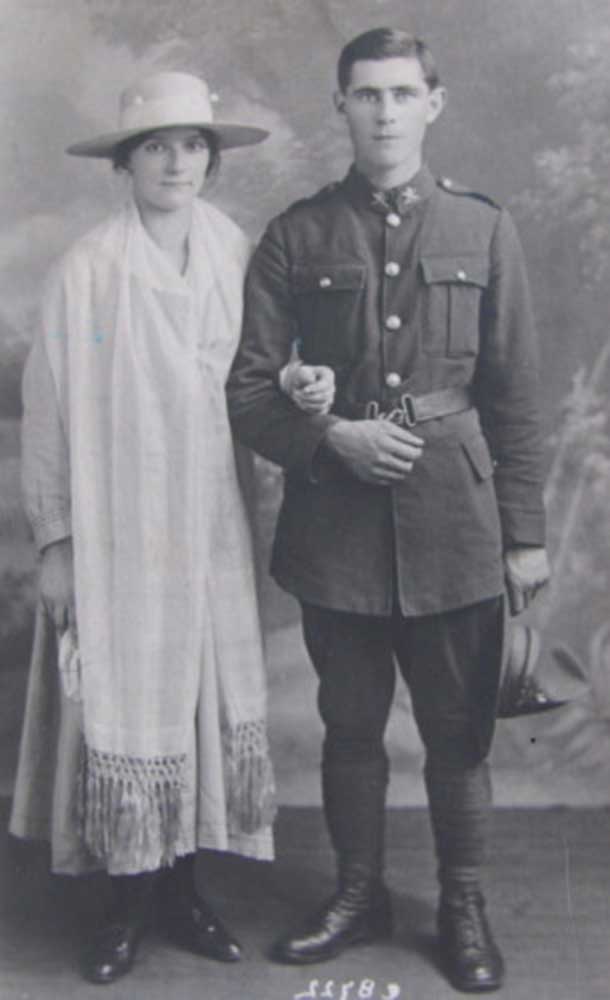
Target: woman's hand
x: 310, y: 387
x: 57, y: 584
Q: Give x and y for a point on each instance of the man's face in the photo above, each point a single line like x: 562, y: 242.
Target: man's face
x: 388, y: 106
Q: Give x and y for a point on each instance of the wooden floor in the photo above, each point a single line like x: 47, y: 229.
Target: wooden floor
x: 549, y: 900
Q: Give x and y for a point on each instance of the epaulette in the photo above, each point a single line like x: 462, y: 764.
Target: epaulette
x: 447, y: 184
x: 327, y: 189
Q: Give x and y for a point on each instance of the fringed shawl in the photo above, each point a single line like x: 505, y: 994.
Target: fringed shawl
x: 163, y: 564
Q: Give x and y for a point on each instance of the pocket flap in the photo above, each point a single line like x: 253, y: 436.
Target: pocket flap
x: 327, y: 277
x: 477, y: 452
x: 464, y: 269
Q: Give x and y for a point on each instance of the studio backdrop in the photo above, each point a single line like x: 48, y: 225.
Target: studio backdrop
x: 527, y: 123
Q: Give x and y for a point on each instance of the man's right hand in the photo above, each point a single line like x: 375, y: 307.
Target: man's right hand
x: 378, y: 452
x: 57, y: 583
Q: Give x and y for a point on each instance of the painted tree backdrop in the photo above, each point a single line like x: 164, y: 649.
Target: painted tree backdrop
x: 527, y: 123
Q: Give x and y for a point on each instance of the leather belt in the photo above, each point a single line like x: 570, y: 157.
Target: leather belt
x: 411, y: 410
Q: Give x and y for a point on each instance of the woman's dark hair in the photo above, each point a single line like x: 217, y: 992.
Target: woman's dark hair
x: 122, y: 153
x: 386, y: 43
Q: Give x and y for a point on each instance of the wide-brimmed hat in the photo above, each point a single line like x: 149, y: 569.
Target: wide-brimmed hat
x: 165, y: 100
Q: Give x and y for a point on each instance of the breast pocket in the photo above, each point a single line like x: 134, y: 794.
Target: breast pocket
x: 328, y: 299
x: 452, y: 299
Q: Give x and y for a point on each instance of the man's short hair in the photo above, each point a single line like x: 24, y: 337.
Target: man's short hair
x: 386, y: 43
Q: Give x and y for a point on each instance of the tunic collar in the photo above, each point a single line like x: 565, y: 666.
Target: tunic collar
x: 401, y: 199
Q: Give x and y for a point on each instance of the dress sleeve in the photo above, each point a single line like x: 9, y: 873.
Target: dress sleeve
x: 45, y: 453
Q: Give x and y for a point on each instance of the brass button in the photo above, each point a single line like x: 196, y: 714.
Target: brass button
x: 393, y: 380
x: 392, y: 269
x: 393, y: 322
x: 325, y: 282
x: 461, y: 275
x: 392, y: 219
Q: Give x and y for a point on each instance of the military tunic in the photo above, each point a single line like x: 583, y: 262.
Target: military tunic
x: 428, y: 294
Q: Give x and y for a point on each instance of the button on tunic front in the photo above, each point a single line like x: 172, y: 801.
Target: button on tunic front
x: 393, y: 322
x: 426, y: 296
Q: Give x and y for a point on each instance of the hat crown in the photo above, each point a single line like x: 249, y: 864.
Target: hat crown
x: 167, y: 99
x: 163, y: 100
x: 163, y: 85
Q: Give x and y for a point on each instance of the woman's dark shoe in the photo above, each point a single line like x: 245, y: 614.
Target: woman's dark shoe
x: 358, y: 913
x: 471, y: 957
x: 192, y: 924
x: 189, y: 921
x: 110, y: 952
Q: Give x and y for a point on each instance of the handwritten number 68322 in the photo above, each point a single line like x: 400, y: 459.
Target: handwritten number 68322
x: 364, y: 990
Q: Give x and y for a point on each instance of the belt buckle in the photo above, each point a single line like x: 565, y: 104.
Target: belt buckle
x: 407, y: 404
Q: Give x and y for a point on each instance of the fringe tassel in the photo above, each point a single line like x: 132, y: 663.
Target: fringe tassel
x: 131, y: 809
x: 250, y: 785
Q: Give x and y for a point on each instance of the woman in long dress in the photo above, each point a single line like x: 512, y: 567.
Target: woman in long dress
x: 150, y: 741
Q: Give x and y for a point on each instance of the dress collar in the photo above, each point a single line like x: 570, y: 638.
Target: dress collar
x: 400, y: 199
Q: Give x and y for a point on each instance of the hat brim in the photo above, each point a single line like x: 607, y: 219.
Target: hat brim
x: 229, y: 137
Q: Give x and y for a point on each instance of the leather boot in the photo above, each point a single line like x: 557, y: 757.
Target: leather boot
x: 353, y: 795
x: 110, y: 951
x: 354, y: 806
x: 189, y: 919
x: 359, y: 912
x: 471, y: 957
x: 460, y: 802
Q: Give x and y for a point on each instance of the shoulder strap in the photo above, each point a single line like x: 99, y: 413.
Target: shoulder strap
x: 452, y: 187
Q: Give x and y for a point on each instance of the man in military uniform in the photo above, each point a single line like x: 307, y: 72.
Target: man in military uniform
x: 409, y: 507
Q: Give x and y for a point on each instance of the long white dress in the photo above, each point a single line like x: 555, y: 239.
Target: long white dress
x: 218, y: 701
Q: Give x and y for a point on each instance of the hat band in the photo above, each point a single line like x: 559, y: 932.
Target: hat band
x: 165, y: 112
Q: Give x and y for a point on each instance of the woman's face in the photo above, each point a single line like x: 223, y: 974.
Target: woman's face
x: 168, y: 169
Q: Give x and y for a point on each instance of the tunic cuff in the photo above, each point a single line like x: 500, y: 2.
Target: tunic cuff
x: 50, y: 528
x: 522, y: 527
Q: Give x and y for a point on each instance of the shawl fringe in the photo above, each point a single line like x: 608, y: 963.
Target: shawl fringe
x: 250, y: 786
x: 131, y: 809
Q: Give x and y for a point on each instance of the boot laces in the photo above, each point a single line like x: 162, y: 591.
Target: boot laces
x: 470, y: 927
